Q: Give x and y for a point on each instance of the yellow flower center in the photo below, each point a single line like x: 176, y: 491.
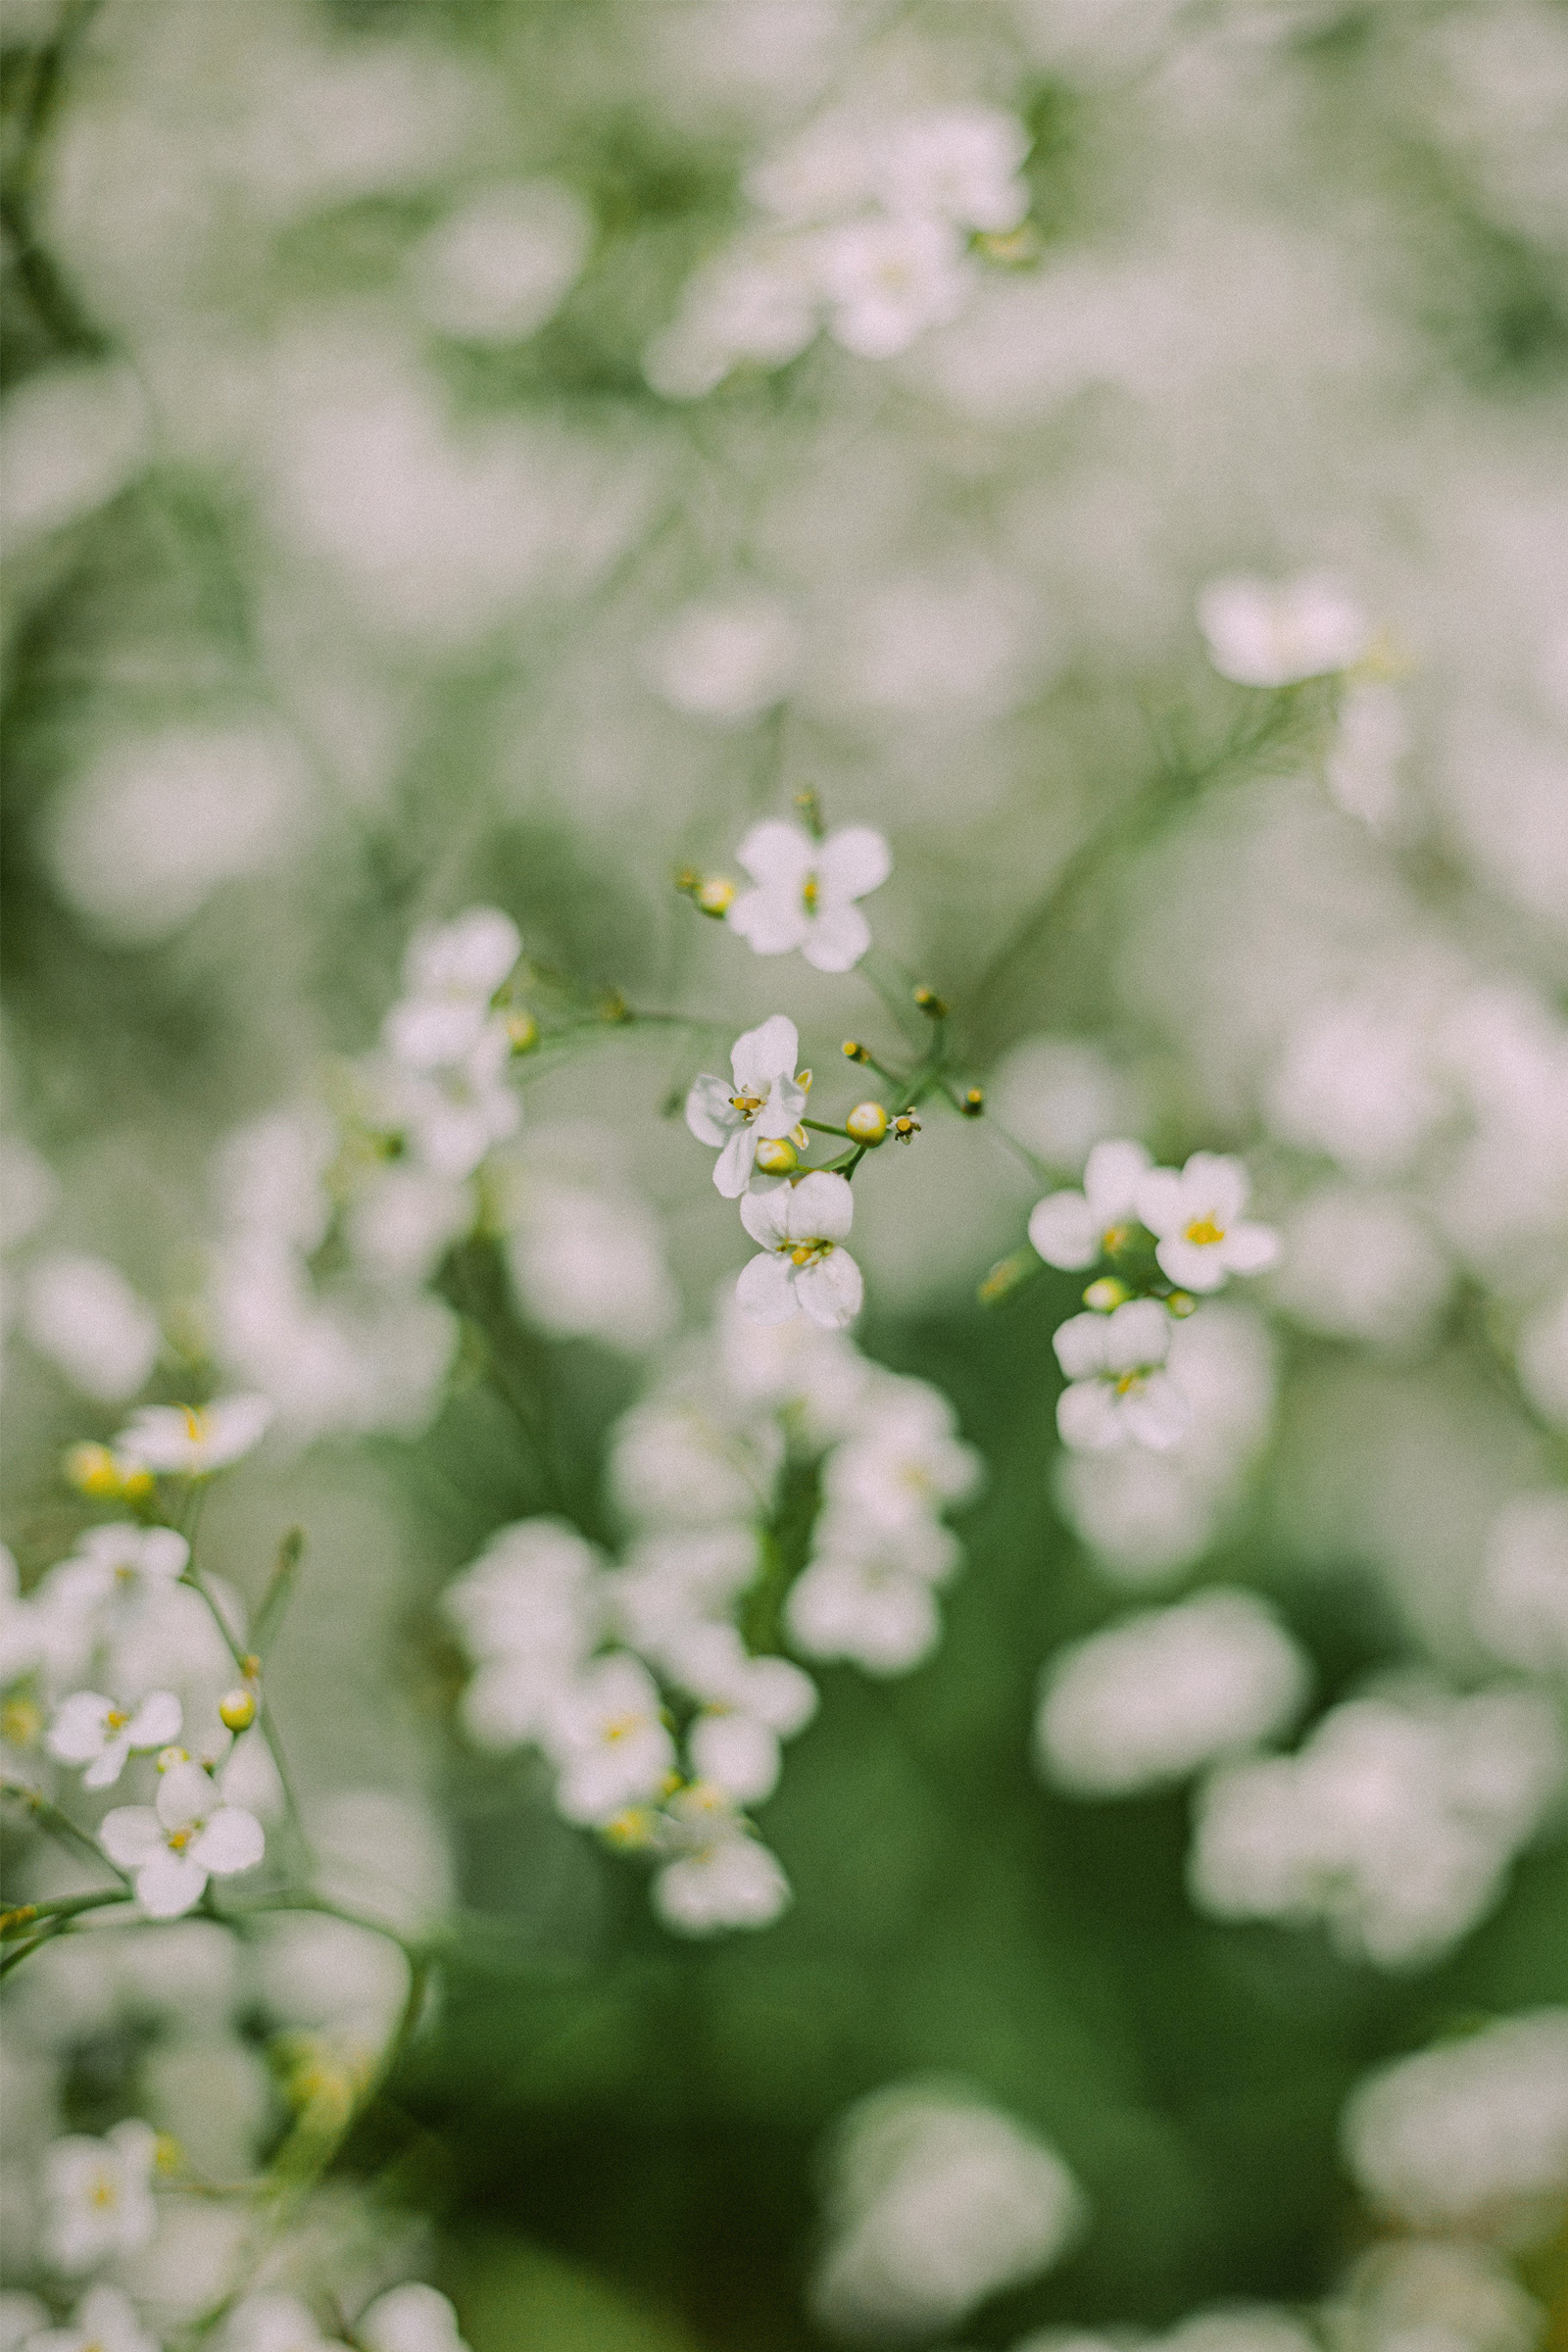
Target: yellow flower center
x: 179, y: 1839
x: 195, y: 1423
x: 746, y: 1105
x: 804, y: 1254
x: 621, y: 1728
x: 103, y: 2192
x: 116, y: 1720
x: 1114, y: 1237
x: 809, y: 894
x: 1204, y: 1230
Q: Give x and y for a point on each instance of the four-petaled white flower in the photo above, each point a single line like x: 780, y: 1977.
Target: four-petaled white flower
x: 1119, y: 1394
x: 99, y: 2195
x: 451, y: 974
x: 414, y: 2318
x: 455, y: 1113
x: 806, y: 892
x: 1196, y: 1214
x: 176, y: 1845
x: 270, y: 2322
x: 1074, y: 1230
x: 724, y: 1878
x: 608, y: 1741
x: 889, y: 278
x: 104, y: 2320
x: 123, y: 1566
x: 91, y: 1730
x: 1274, y: 633
x: 801, y: 1227
x: 765, y: 1097
x: 186, y: 1441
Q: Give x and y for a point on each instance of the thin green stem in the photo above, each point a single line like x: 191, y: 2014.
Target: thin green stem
x: 61, y: 1827
x: 264, y: 1711
x: 820, y: 1127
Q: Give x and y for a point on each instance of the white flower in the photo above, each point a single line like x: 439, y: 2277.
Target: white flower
x: 868, y: 1595
x: 271, y: 2323
x: 1074, y: 1230
x: 455, y: 1113
x: 104, y: 2320
x: 608, y: 1741
x: 414, y: 2318
x: 22, y: 1631
x: 176, y: 1845
x: 82, y: 1315
x: 451, y: 974
x: 1269, y: 633
x: 724, y: 661
x: 890, y: 278
x: 757, y: 301
x: 99, y: 2194
x: 955, y: 162
x: 91, y: 1730
x: 1149, y: 1700
x: 1471, y: 2138
x: 1521, y: 1607
x: 122, y: 1565
x: 189, y: 1441
x: 1196, y: 1214
x: 764, y: 1097
x: 1120, y: 1395
x: 724, y: 1879
x: 527, y: 1612
x: 752, y: 1703
x: 802, y: 1228
x: 903, y: 1463
x: 806, y: 892
x: 1410, y: 2296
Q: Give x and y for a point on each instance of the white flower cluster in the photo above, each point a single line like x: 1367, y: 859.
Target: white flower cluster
x: 1394, y: 1824
x: 868, y: 225
x: 657, y: 1696
x: 935, y: 2201
x: 334, y: 1222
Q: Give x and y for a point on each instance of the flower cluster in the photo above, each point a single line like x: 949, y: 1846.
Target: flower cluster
x: 658, y: 1689
x: 869, y: 225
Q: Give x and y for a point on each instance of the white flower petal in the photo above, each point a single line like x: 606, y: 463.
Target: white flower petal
x: 831, y: 1290
x: 1157, y: 1413
x: 130, y: 1835
x: 820, y: 1208
x: 1216, y: 1186
x: 1114, y: 1171
x: 1249, y: 1249
x: 1062, y: 1229
x: 732, y: 1170
x: 765, y: 1212
x: 169, y: 1885
x: 1136, y: 1335
x: 156, y: 1722
x: 232, y: 1841
x: 1080, y: 1344
x: 764, y: 1291
x: 768, y: 1052
x: 1159, y: 1201
x: 1190, y: 1265
x: 778, y: 855
x: 110, y: 1765
x: 770, y: 923
x: 710, y: 1115
x: 838, y: 938
x: 853, y: 863
x: 1088, y: 1419
x: 79, y: 1731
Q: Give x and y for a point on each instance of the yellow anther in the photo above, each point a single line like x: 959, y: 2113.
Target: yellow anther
x: 906, y: 1128
x: 804, y: 1253
x: 1114, y: 1237
x: 236, y: 1709
x: 777, y: 1156
x: 168, y: 1757
x: 867, y: 1122
x: 195, y: 1425
x: 853, y: 1050
x: 972, y: 1102
x: 1204, y: 1231
x: 177, y: 1841
x: 115, y: 1720
x: 746, y: 1104
x: 931, y: 1004
x: 523, y: 1031
x: 809, y: 894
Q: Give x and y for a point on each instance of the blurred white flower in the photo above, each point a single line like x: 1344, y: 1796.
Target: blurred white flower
x: 1452, y: 2299
x: 1075, y: 1229
x: 1469, y: 2139
x: 900, y: 1462
x: 1521, y: 1604
x: 69, y: 438
x: 414, y: 2318
x: 1357, y: 1079
x: 1366, y: 1265
x: 1267, y: 633
x: 1058, y: 1095
x: 183, y: 1440
x: 758, y: 301
x: 764, y: 1097
x: 454, y: 1113
x: 590, y: 1264
x: 82, y: 1313
x: 954, y: 162
x: 404, y: 1220
x: 868, y: 1592
x: 104, y: 2320
x: 125, y: 1565
x: 497, y: 268
x: 887, y: 280
x: 725, y: 660
x: 175, y: 1847
x: 1196, y: 1214
x: 806, y: 892
x: 1119, y: 1393
x: 1152, y: 1697
x: 1369, y: 748
x: 1542, y: 1354
x: 607, y: 1737
x: 89, y: 1728
x: 695, y: 1457
x: 935, y: 2201
x: 721, y: 1876
x: 274, y: 2323
x: 98, y: 2195
x: 803, y: 1266
x: 450, y: 974
x: 527, y: 1613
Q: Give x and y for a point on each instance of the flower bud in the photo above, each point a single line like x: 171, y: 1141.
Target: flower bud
x: 853, y: 1050
x: 905, y: 1127
x: 236, y: 1709
x: 715, y: 895
x: 972, y: 1101
x: 168, y: 1757
x: 1107, y: 1294
x: 777, y: 1156
x: 867, y: 1122
x: 523, y: 1030
x: 1182, y: 1303
x: 93, y: 1470
x: 931, y: 1004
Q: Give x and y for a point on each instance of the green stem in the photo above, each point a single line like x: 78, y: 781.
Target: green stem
x: 820, y: 1127
x: 264, y: 1711
x: 61, y: 1827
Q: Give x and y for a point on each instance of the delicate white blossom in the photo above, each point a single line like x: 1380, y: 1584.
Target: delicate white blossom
x: 98, y: 2195
x: 607, y: 1739
x: 1521, y: 1604
x: 186, y: 1441
x: 413, y: 2318
x: 1075, y: 1229
x: 1119, y: 1393
x: 175, y: 1845
x: 82, y: 1315
x: 802, y: 1227
x: 1267, y: 633
x: 721, y: 1876
x: 450, y: 975
x: 887, y: 280
x: 765, y: 1097
x: 806, y: 889
x: 104, y: 2320
x: 1196, y: 1213
x: 91, y: 1730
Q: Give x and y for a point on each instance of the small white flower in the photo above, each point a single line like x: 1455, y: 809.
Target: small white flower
x: 451, y: 974
x: 1273, y: 633
x: 801, y: 1227
x: 955, y: 162
x: 20, y: 1625
x: 123, y: 1566
x: 752, y: 1703
x: 104, y: 2320
x: 414, y: 2318
x: 806, y: 892
x: 176, y: 1845
x: 890, y: 278
x: 91, y: 1730
x: 764, y: 1097
x: 82, y: 1313
x: 454, y: 1113
x: 1119, y: 1394
x: 1074, y: 1230
x: 270, y: 2322
x: 1196, y: 1213
x: 873, y: 1609
x: 189, y: 1441
x: 99, y: 2194
x: 608, y: 1741
x: 902, y: 1464
x: 724, y: 1879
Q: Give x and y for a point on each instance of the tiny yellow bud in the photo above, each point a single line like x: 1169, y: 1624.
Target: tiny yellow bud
x: 867, y: 1122
x: 931, y: 1004
x: 169, y: 2156
x: 523, y: 1031
x: 236, y: 1709
x: 21, y: 1721
x: 853, y: 1050
x: 777, y: 1156
x: 93, y: 1470
x: 715, y: 895
x: 972, y: 1101
x: 1107, y: 1294
x: 1182, y: 1303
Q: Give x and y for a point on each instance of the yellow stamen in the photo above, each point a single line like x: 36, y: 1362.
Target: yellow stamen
x: 746, y: 1105
x: 179, y: 1839
x: 621, y: 1727
x: 114, y: 1721
x: 195, y: 1423
x: 809, y: 894
x: 1204, y: 1231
